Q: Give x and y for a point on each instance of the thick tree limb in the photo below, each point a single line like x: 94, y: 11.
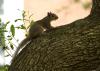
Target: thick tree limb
x: 73, y: 47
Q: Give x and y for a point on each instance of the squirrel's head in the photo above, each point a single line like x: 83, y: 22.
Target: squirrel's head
x: 52, y: 16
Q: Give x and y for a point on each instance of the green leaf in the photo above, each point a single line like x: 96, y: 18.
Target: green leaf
x: 23, y: 14
x: 12, y: 47
x: 0, y: 21
x: 10, y: 38
x: 5, y: 30
x: 5, y: 25
x: 18, y: 20
x: 7, y: 22
x: 18, y: 27
x: 12, y: 29
x: 23, y: 27
x: 7, y: 55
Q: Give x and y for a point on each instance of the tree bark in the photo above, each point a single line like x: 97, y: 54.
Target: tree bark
x: 73, y: 47
x: 95, y: 8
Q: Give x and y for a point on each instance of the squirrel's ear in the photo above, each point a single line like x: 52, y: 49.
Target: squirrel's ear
x: 49, y: 13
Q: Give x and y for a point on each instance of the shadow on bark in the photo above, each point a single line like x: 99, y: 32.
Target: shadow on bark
x: 73, y: 47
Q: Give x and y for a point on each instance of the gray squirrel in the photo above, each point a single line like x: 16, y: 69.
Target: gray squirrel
x: 36, y: 29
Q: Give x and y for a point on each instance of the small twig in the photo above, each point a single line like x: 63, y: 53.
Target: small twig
x: 9, y: 53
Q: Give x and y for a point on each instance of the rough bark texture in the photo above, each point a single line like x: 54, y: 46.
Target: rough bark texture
x: 73, y: 47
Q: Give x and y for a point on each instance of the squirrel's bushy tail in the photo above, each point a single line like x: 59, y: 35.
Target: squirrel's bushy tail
x: 21, y: 45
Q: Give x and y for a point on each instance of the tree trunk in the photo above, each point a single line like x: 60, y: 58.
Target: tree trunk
x: 96, y: 8
x: 73, y: 47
